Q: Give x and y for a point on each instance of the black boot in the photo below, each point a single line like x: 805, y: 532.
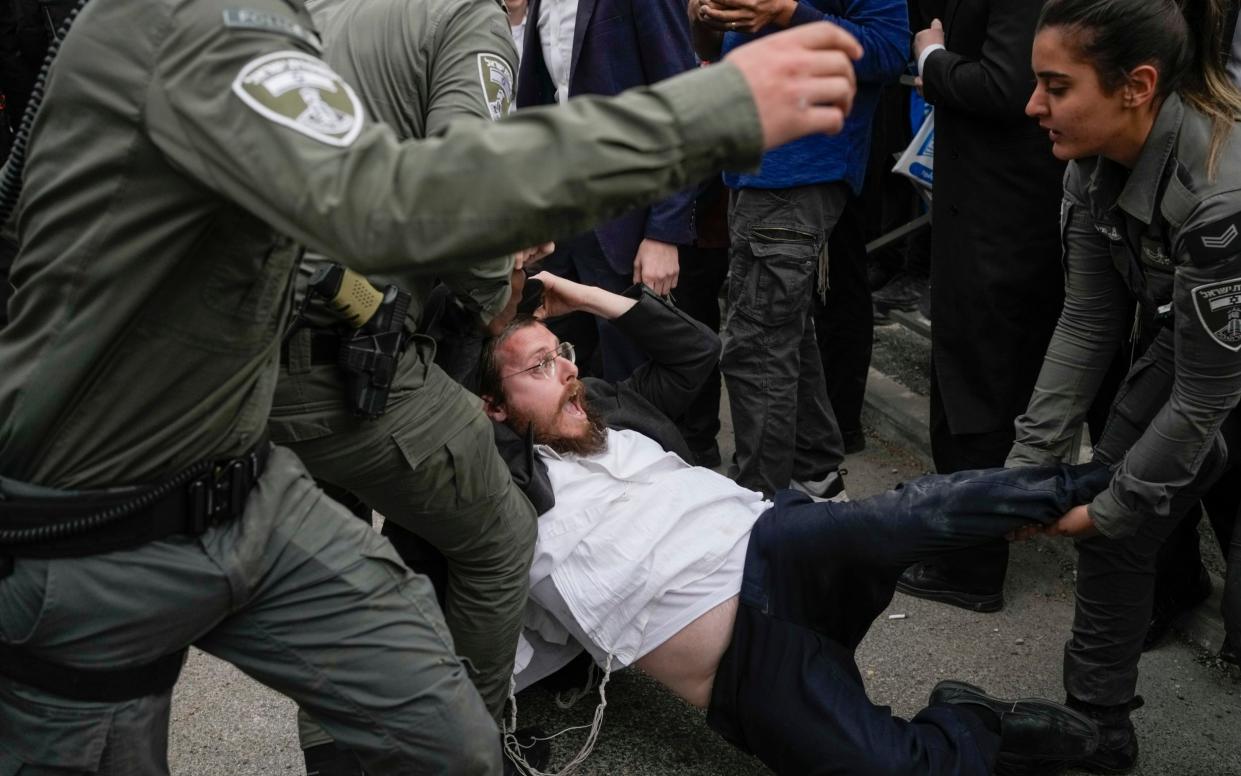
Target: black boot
x: 1118, y: 744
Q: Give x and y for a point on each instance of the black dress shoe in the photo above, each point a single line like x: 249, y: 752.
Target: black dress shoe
x: 924, y: 580
x: 1168, y: 609
x: 1037, y: 736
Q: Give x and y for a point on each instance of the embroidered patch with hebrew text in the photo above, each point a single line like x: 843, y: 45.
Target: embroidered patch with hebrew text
x: 496, y: 78
x: 1219, y: 309
x: 301, y: 92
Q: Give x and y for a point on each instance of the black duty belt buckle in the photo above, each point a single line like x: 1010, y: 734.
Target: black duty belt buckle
x: 221, y: 493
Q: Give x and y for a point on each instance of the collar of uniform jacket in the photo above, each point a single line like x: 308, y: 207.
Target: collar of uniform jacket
x: 1141, y: 192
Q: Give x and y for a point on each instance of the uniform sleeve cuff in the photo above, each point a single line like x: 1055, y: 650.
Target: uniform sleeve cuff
x: 1025, y: 455
x: 804, y: 14
x: 926, y: 52
x: 717, y: 117
x: 1112, y: 520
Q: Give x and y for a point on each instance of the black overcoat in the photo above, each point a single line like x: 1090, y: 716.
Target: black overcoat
x: 996, y: 276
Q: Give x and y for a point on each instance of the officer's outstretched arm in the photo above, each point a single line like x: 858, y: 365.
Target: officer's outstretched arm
x: 260, y: 119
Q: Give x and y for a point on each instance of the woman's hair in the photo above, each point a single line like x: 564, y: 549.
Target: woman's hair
x: 1183, y: 39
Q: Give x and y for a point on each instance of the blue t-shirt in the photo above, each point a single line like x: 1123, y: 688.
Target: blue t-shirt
x: 882, y: 27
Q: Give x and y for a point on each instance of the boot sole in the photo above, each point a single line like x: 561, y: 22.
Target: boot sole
x: 985, y: 604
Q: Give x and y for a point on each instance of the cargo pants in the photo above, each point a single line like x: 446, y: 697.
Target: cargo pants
x: 783, y: 422
x: 297, y: 593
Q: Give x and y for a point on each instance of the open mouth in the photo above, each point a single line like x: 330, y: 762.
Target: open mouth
x: 573, y: 401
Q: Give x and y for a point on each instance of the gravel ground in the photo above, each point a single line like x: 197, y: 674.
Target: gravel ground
x: 903, y: 356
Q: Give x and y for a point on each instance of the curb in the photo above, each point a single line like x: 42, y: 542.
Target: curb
x: 900, y: 416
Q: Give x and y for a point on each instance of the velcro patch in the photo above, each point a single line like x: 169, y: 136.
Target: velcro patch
x: 1215, y: 241
x: 249, y: 19
x: 301, y: 92
x: 1154, y: 255
x: 1219, y: 310
x: 496, y: 78
x: 1110, y: 231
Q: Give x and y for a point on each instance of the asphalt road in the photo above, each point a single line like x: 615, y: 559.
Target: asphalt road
x: 224, y: 723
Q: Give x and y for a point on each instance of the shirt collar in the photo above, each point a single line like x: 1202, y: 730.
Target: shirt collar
x: 1139, y: 196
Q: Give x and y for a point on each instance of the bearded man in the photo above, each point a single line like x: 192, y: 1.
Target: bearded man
x: 748, y: 608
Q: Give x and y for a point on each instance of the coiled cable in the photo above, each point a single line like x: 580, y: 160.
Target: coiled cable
x: 58, y: 530
x: 11, y: 176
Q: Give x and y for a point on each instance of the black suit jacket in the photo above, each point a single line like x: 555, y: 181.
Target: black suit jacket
x: 683, y: 353
x: 996, y: 278
x: 619, y: 45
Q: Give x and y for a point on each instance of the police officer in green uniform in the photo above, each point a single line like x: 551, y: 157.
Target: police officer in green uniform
x: 429, y: 461
x: 184, y: 149
x: 1152, y: 212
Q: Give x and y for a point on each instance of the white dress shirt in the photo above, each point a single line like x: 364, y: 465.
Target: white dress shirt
x: 557, y: 20
x: 632, y: 526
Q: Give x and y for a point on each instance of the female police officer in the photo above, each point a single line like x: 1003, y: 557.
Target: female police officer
x: 1152, y: 211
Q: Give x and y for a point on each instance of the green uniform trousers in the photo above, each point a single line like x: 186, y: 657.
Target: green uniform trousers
x: 430, y: 465
x: 377, y: 670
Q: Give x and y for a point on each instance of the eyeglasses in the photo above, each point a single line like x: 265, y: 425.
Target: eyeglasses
x: 545, y: 369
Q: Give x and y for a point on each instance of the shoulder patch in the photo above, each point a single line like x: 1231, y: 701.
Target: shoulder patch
x: 249, y: 19
x: 496, y: 78
x: 301, y: 92
x: 1215, y: 241
x: 1219, y: 310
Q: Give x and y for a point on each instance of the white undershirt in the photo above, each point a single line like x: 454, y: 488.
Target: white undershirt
x: 519, y: 36
x: 639, y: 544
x: 557, y: 21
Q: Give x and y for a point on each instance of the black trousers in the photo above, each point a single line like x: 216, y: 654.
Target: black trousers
x: 698, y: 293
x: 816, y: 576
x: 843, y: 322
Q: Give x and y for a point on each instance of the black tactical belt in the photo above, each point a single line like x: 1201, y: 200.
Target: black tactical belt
x: 98, y: 686
x: 324, y: 349
x: 92, y: 522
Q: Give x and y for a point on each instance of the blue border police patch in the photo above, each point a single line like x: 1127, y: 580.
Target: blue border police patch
x: 1219, y: 310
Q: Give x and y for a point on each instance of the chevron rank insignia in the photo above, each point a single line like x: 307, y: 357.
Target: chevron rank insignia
x: 1219, y: 310
x: 1215, y: 241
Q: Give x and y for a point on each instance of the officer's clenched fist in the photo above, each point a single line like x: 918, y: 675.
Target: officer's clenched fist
x: 802, y: 80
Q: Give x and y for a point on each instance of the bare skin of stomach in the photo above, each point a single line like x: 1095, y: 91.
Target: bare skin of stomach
x: 687, y: 662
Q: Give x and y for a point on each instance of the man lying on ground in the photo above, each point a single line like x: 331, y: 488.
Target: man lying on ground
x: 749, y: 609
